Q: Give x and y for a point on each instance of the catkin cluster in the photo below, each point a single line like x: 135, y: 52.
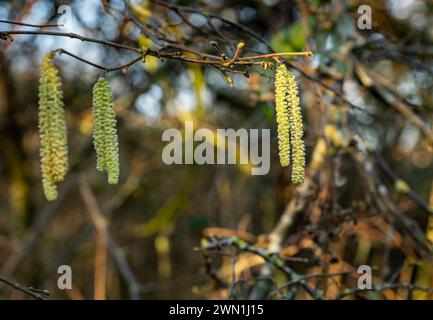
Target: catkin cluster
x: 105, y: 131
x: 52, y: 128
x: 289, y: 121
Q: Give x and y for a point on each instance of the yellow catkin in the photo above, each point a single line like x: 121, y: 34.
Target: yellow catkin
x: 281, y: 108
x: 52, y: 128
x: 296, y: 130
x: 105, y: 138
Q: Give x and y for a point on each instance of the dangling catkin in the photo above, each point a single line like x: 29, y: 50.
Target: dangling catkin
x: 281, y: 108
x: 296, y: 130
x: 52, y: 128
x: 105, y: 131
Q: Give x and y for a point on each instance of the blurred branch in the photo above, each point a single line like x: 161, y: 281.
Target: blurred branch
x: 101, y: 226
x: 375, y: 83
x: 254, y: 35
x: 29, y: 242
x: 381, y: 288
x: 381, y: 196
x: 30, y: 25
x: 144, y: 29
x: 420, y: 202
x: 338, y: 93
x: 101, y: 239
x: 209, y: 16
x: 296, y: 279
x: 34, y: 293
x: 296, y: 205
x: 272, y: 258
x: 306, y: 277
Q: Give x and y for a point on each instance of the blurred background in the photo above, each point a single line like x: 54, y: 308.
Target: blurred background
x: 213, y: 231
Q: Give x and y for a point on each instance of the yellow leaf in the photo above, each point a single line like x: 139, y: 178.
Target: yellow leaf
x: 401, y: 186
x: 142, y: 13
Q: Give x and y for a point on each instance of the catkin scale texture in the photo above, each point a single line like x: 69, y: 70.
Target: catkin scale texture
x: 281, y: 108
x: 52, y: 128
x: 105, y: 138
x: 296, y: 130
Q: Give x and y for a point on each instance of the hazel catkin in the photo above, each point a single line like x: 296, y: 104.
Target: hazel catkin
x: 296, y: 130
x: 281, y: 108
x: 289, y: 123
x: 52, y: 128
x: 105, y: 138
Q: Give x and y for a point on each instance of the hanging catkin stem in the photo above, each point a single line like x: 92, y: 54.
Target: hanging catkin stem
x: 52, y: 128
x: 296, y: 130
x: 105, y: 131
x: 281, y: 108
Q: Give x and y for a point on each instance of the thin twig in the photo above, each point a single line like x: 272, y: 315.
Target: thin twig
x: 415, y: 197
x: 209, y: 16
x: 34, y: 293
x: 106, y: 69
x: 271, y: 258
x: 381, y: 288
x: 31, y: 25
x: 101, y: 225
x: 306, y: 277
x: 73, y: 36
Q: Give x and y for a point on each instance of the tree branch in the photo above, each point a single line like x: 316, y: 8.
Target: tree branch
x: 106, y: 69
x: 30, y: 25
x: 73, y: 36
x: 34, y: 293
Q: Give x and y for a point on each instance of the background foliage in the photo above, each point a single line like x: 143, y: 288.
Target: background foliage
x: 367, y: 103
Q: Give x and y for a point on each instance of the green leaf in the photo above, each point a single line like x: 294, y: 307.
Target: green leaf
x: 289, y: 39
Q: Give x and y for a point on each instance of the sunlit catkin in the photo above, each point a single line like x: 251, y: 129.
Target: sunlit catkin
x: 296, y: 130
x: 105, y: 131
x: 52, y: 128
x: 281, y: 108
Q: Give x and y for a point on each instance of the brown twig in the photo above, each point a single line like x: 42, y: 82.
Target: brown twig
x: 106, y: 69
x: 72, y: 36
x: 271, y: 258
x: 34, y: 293
x: 415, y: 197
x: 101, y: 226
x: 220, y: 63
x: 30, y: 25
x: 381, y: 288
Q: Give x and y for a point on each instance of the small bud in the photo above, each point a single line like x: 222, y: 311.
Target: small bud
x: 229, y: 80
x: 402, y: 186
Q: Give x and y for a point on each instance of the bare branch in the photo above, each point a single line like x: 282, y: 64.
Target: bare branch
x: 34, y: 293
